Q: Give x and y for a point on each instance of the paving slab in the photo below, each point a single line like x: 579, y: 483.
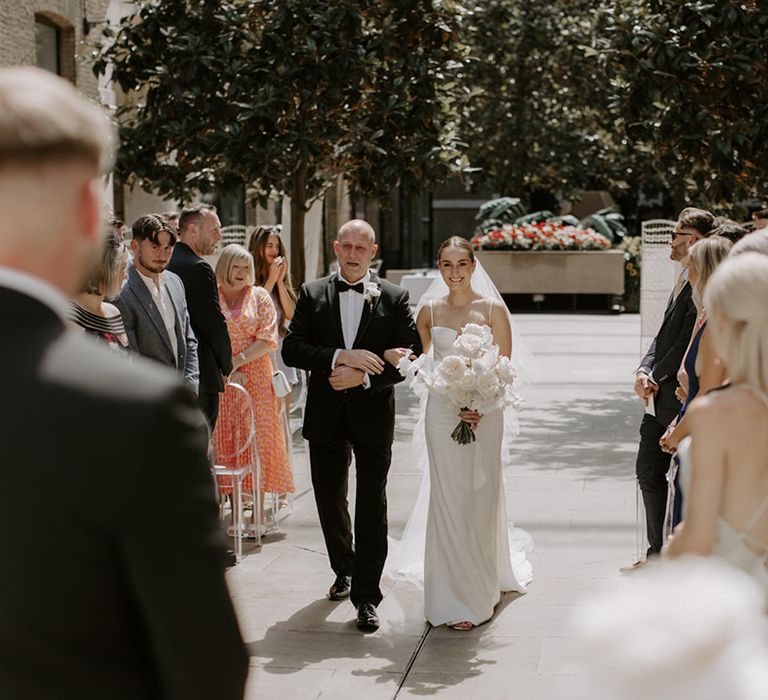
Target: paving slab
x: 568, y: 480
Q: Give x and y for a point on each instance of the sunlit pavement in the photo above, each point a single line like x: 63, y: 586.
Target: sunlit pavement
x: 569, y: 482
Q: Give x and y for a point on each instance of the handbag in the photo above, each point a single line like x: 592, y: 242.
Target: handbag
x: 280, y: 384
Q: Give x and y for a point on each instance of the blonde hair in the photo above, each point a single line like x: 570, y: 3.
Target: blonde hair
x: 232, y: 254
x: 706, y: 255
x: 107, y: 275
x: 43, y: 118
x: 736, y: 302
x: 756, y: 242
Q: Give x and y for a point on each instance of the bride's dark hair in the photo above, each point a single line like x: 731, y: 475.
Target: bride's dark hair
x: 456, y: 242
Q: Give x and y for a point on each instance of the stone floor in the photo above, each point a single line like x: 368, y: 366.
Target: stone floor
x: 569, y: 482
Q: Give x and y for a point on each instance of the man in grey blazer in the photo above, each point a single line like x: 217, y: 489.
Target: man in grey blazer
x: 153, y: 303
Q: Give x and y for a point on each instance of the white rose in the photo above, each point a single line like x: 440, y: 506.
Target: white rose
x: 452, y: 368
x: 480, y: 331
x: 469, y: 345
x: 487, y: 386
x: 506, y: 370
x: 467, y: 382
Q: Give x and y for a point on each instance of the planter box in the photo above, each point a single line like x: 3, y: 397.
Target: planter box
x: 555, y: 271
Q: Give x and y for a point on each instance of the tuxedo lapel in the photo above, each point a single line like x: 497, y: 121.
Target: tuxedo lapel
x: 332, y: 294
x: 368, y: 309
x: 139, y: 288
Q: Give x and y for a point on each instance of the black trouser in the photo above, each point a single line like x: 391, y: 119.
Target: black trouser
x: 209, y: 405
x: 651, y: 468
x: 330, y: 471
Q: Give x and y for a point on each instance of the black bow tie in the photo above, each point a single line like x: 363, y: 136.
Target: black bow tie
x: 342, y: 286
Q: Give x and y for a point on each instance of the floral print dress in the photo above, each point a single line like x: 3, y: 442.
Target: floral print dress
x: 257, y: 320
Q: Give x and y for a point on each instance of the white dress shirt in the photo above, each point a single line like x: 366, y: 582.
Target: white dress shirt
x: 351, y: 306
x: 164, y: 305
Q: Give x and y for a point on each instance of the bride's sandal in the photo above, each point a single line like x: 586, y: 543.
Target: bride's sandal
x: 462, y: 626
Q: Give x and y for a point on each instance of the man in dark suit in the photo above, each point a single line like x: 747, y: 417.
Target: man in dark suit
x: 96, y: 600
x: 656, y: 380
x: 199, y: 232
x: 340, y: 330
x: 153, y: 304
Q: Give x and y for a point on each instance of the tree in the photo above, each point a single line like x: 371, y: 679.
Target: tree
x: 538, y: 116
x: 690, y: 82
x: 285, y: 95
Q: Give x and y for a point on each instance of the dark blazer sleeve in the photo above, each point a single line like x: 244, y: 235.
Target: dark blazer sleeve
x: 191, y: 362
x: 406, y: 336
x: 667, y: 365
x: 298, y: 349
x: 203, y: 296
x: 129, y: 317
x: 647, y: 364
x: 192, y: 627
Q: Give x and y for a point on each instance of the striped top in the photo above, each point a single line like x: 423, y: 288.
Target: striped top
x: 110, y: 329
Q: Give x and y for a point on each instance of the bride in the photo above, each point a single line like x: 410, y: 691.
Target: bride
x: 467, y: 562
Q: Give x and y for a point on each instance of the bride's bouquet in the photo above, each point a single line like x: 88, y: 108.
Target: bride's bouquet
x: 472, y: 376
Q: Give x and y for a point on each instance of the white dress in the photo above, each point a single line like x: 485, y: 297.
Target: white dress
x: 737, y: 547
x: 467, y: 562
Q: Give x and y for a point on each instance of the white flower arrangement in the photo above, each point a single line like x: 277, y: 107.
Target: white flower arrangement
x: 372, y: 292
x: 473, y: 376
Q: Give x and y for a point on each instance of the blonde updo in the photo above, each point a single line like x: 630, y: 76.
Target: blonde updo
x: 735, y: 299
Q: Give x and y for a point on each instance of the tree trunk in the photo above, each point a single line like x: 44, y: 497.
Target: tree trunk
x: 298, y: 212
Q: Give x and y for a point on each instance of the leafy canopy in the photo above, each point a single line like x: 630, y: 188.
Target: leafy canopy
x: 283, y: 96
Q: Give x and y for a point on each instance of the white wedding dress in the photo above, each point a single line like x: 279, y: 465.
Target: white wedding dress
x: 467, y: 559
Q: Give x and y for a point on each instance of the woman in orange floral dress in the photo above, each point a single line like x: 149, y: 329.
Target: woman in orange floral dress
x: 252, y: 323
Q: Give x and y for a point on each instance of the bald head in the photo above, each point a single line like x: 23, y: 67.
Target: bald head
x: 54, y: 144
x: 358, y: 226
x: 355, y: 247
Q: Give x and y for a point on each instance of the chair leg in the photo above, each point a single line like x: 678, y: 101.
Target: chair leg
x: 237, y: 517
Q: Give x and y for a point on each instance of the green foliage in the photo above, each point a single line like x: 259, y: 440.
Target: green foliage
x: 504, y: 209
x: 689, y: 84
x: 538, y: 117
x: 285, y: 95
x: 607, y: 222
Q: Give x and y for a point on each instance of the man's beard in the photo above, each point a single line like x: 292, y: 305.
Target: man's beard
x: 154, y: 269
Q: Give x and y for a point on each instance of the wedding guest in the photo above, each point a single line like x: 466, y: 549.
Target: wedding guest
x: 656, y: 380
x: 273, y: 274
x: 153, y: 303
x: 724, y: 462
x: 760, y: 219
x: 89, y: 311
x: 702, y: 368
x: 252, y: 322
x: 119, y: 229
x: 114, y: 608
x: 199, y: 233
x: 172, y: 217
x: 728, y: 228
x: 756, y: 242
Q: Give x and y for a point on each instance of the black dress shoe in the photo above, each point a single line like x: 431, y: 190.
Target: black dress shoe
x: 340, y: 588
x: 367, y: 619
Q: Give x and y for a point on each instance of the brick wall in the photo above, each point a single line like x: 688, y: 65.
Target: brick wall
x: 17, y: 36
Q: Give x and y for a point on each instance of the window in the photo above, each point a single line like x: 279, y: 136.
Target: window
x: 47, y: 44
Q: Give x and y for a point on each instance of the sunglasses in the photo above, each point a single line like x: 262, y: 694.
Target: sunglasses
x: 675, y: 234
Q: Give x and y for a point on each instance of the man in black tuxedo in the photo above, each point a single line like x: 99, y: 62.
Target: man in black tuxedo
x: 96, y: 599
x: 342, y: 326
x: 199, y: 232
x: 656, y: 379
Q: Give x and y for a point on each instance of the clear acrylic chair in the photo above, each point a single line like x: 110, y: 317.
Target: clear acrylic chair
x: 236, y: 458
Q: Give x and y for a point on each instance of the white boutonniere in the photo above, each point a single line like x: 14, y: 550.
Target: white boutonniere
x: 372, y: 292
